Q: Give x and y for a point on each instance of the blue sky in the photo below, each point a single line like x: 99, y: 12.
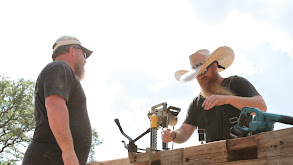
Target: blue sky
x: 138, y: 45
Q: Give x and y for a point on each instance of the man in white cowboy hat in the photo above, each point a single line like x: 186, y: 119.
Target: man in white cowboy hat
x: 220, y: 101
x: 63, y: 132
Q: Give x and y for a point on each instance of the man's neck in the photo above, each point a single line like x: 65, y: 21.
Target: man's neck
x: 66, y: 58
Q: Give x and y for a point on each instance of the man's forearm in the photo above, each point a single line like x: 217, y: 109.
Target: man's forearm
x: 241, y: 102
x: 180, y: 137
x: 183, y: 133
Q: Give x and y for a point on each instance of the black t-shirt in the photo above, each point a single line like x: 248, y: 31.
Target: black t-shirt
x: 216, y: 121
x: 57, y: 78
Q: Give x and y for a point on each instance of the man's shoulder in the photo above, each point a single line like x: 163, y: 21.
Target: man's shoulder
x: 197, y: 99
x: 56, y: 65
x: 235, y: 78
x: 55, y: 68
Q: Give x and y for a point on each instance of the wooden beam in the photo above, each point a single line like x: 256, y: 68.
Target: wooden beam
x: 210, y: 153
x: 274, y: 147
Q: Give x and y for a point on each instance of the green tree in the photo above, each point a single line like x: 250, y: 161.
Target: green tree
x: 96, y: 141
x: 17, y: 118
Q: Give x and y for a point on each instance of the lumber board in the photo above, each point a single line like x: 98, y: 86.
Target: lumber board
x: 210, y: 153
x: 275, y: 143
x: 123, y: 161
x: 242, y: 148
x: 267, y: 148
x: 172, y: 157
x: 240, y: 143
x: 264, y: 161
x: 147, y: 158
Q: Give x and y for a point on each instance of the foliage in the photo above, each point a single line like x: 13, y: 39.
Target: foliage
x: 17, y: 117
x: 95, y: 142
x: 17, y: 120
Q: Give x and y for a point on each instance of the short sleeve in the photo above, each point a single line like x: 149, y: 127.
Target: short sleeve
x: 242, y: 87
x: 195, y: 114
x: 58, y: 80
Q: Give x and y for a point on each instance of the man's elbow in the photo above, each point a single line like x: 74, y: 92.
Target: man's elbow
x: 262, y: 104
x: 264, y: 108
x: 54, y: 101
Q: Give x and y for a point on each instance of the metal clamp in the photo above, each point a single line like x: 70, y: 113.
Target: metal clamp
x: 201, y: 135
x: 233, y: 120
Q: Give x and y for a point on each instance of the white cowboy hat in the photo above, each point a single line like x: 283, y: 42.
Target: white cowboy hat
x: 201, y: 59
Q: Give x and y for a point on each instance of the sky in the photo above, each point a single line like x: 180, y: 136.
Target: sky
x: 138, y: 46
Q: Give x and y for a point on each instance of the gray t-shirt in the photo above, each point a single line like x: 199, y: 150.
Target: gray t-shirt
x: 57, y: 78
x: 216, y: 121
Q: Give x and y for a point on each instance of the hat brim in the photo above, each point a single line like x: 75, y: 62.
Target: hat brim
x: 223, y: 55
x: 87, y: 51
x: 185, y: 75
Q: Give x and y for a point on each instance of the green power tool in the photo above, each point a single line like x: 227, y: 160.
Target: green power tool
x: 261, y: 122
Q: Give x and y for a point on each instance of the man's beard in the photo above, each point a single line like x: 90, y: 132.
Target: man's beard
x: 212, y: 86
x: 79, y: 70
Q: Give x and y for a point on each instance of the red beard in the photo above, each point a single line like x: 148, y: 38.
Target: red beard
x: 211, y: 85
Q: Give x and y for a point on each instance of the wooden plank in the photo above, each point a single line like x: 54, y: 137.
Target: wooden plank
x: 275, y: 152
x: 172, y: 157
x: 275, y: 147
x: 242, y: 148
x: 123, y: 161
x: 240, y: 143
x: 279, y: 137
x: 210, y: 153
x: 275, y: 143
x: 148, y: 158
x: 264, y: 161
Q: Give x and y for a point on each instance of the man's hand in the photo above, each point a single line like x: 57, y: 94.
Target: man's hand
x: 214, y: 100
x: 167, y: 135
x: 70, y: 158
x: 182, y: 134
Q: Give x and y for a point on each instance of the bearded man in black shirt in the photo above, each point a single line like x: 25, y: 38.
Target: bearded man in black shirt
x: 220, y: 101
x: 63, y: 132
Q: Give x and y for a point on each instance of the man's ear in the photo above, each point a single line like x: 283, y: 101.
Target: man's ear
x: 72, y: 50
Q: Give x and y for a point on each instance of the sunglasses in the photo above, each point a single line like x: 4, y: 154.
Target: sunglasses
x: 83, y: 51
x: 84, y: 54
x: 206, y: 70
